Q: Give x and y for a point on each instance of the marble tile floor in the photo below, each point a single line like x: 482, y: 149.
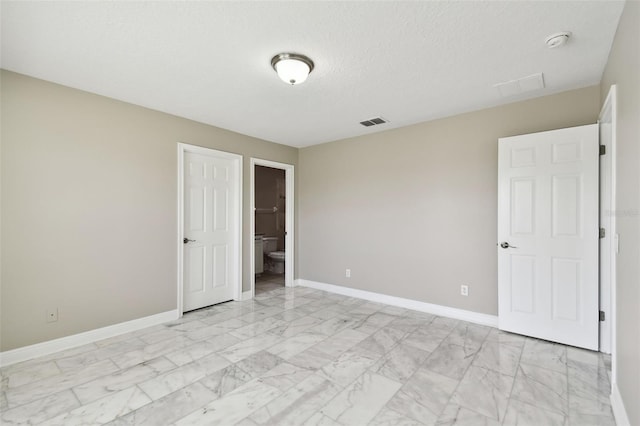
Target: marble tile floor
x: 268, y: 282
x: 298, y: 356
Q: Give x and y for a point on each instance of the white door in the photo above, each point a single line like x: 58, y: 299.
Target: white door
x: 548, y: 235
x: 211, y: 229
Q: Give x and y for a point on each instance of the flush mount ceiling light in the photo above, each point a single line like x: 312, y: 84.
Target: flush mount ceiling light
x: 557, y: 39
x: 292, y: 68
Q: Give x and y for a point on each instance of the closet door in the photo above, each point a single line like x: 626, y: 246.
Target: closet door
x: 211, y: 229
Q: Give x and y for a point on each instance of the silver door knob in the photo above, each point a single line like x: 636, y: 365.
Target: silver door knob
x: 506, y: 245
x: 186, y: 240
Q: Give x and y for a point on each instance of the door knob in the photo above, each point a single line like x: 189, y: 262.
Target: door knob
x: 186, y: 240
x: 505, y: 245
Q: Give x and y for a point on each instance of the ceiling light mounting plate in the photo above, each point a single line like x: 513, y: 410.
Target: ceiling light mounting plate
x: 557, y: 39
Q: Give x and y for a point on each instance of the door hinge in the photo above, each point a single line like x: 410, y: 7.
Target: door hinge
x: 603, y: 149
x: 601, y: 315
x: 602, y: 233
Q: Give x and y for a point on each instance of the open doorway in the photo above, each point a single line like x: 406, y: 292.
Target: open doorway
x: 270, y: 222
x: 272, y: 225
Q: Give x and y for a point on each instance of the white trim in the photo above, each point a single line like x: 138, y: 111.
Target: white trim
x: 180, y: 233
x: 246, y: 295
x: 608, y: 245
x: 445, y: 311
x: 252, y: 226
x: 610, y: 105
x: 289, y: 219
x: 52, y: 346
x: 238, y: 159
x: 617, y: 406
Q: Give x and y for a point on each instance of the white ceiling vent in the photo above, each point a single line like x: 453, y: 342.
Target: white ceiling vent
x: 374, y: 121
x: 521, y: 85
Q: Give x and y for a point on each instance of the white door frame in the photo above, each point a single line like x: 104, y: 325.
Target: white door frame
x: 608, y: 113
x: 289, y: 221
x: 182, y: 148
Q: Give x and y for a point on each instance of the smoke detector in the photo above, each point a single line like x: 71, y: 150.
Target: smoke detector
x: 557, y: 39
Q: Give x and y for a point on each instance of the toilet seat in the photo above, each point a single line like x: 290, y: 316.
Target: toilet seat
x: 277, y: 255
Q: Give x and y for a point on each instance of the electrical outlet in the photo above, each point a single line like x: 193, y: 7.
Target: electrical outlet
x: 347, y: 273
x: 52, y: 315
x: 464, y: 290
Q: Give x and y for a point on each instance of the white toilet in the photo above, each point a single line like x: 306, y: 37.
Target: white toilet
x: 274, y: 258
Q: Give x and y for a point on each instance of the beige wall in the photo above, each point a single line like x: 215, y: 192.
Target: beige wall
x: 623, y: 69
x: 412, y: 211
x: 89, y: 207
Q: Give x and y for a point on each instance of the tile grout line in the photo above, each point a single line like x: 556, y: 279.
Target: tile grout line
x: 425, y: 360
x: 514, y: 380
x: 449, y: 400
x: 414, y: 373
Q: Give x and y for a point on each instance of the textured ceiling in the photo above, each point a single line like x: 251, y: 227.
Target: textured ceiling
x: 405, y: 61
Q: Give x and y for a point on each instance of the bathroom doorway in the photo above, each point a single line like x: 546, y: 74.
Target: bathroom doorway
x: 272, y: 203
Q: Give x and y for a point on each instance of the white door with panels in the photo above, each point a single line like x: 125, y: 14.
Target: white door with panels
x: 548, y: 235
x: 211, y: 229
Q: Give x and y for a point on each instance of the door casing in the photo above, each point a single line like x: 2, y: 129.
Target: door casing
x: 609, y: 246
x: 237, y: 264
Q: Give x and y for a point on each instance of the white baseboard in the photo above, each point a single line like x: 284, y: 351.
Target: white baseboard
x: 445, y: 311
x: 617, y: 406
x: 45, y: 348
x: 246, y: 295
